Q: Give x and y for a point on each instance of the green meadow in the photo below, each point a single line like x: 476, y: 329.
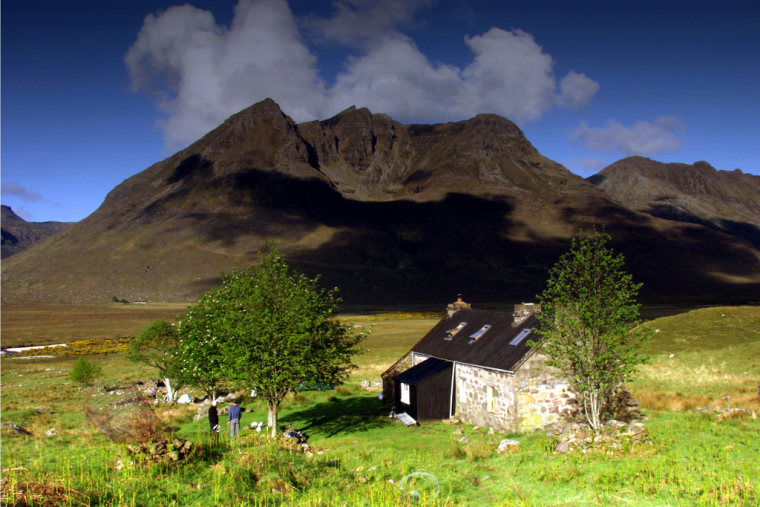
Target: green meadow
x: 704, y: 359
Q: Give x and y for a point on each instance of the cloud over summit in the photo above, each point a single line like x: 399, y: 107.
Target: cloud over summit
x: 641, y: 138
x: 200, y: 72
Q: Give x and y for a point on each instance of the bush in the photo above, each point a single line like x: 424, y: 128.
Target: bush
x: 85, y: 372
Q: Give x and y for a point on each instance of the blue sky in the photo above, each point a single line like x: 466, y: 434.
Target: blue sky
x: 94, y: 92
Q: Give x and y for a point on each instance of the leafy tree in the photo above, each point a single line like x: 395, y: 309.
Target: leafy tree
x: 85, y: 372
x: 156, y: 346
x: 275, y: 330
x: 198, y: 355
x: 589, y: 322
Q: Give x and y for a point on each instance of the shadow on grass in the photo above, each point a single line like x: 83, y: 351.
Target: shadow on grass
x: 349, y: 415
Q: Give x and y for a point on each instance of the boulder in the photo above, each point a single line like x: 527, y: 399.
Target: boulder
x: 19, y: 430
x: 507, y: 446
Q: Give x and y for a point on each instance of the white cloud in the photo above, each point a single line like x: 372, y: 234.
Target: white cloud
x: 16, y: 189
x: 202, y: 72
x: 589, y: 164
x: 642, y: 138
x: 576, y: 90
x: 358, y: 21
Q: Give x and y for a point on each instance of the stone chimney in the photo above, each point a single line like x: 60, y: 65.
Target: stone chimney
x: 457, y: 305
x: 525, y: 310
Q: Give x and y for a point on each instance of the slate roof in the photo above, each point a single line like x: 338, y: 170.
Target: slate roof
x: 420, y: 372
x: 491, y: 350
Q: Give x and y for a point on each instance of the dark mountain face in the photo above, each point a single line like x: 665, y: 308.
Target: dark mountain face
x: 388, y: 212
x: 18, y: 234
x: 725, y: 201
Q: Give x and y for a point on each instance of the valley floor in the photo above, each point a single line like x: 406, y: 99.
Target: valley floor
x: 704, y: 359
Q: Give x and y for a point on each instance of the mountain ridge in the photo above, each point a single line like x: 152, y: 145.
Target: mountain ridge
x: 727, y: 201
x: 19, y: 235
x: 389, y: 212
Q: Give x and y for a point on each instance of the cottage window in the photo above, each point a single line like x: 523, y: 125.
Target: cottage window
x: 490, y: 398
x: 405, y: 396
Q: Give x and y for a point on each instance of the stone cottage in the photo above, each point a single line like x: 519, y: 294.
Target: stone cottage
x: 477, y: 366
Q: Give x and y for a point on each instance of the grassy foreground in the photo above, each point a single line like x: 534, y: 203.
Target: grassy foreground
x: 362, y: 456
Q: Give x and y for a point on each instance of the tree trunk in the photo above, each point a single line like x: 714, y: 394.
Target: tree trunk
x: 274, y: 407
x: 592, y: 409
x: 171, y: 394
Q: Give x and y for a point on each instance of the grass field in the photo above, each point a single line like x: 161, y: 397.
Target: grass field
x: 43, y: 324
x: 362, y: 455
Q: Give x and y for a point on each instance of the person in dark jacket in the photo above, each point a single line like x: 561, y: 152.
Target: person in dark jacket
x: 235, y: 414
x: 213, y: 420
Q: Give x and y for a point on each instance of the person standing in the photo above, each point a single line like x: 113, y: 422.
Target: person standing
x: 235, y: 414
x: 213, y: 420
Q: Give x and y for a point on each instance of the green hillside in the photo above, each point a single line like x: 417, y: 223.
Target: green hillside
x: 361, y: 456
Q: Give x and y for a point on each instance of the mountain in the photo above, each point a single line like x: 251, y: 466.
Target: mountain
x: 388, y: 212
x: 18, y: 234
x: 727, y: 201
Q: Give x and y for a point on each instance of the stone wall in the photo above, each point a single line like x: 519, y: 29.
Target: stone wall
x: 531, y: 399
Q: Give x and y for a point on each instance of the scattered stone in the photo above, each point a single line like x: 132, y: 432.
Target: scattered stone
x: 163, y: 451
x: 737, y: 412
x: 51, y: 432
x: 507, y: 446
x: 20, y: 430
x: 563, y: 447
x: 464, y: 439
x: 458, y: 431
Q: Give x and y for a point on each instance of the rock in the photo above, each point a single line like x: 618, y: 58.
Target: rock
x: 507, y: 446
x: 163, y: 451
x: 737, y: 412
x: 563, y: 447
x: 185, y: 399
x: 464, y: 439
x: 51, y: 432
x: 20, y: 430
x: 458, y: 431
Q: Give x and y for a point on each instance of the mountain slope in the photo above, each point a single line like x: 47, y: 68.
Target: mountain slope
x: 19, y: 235
x: 391, y: 213
x: 697, y: 193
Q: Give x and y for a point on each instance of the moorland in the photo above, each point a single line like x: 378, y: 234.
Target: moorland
x: 702, y: 362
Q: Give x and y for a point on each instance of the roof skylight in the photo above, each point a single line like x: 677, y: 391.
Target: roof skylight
x: 480, y: 332
x: 521, y: 336
x: 451, y: 332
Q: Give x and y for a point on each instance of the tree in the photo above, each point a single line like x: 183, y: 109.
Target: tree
x: 275, y: 330
x: 198, y: 355
x: 589, y: 323
x: 85, y: 372
x: 155, y: 346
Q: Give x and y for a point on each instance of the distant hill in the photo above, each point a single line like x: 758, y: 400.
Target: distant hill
x: 18, y: 234
x: 388, y: 212
x: 728, y: 201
